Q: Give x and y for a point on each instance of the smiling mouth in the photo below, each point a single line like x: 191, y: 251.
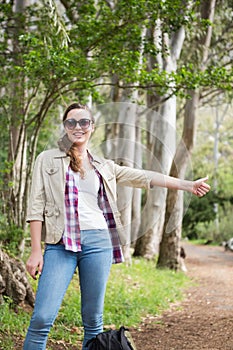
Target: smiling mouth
x: 78, y: 134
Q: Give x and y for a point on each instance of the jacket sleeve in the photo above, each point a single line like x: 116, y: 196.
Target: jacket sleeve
x: 127, y: 176
x: 36, y: 202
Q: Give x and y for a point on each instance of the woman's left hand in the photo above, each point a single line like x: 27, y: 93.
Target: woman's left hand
x: 200, y: 187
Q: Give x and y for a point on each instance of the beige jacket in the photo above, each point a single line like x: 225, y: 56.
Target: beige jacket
x: 46, y: 202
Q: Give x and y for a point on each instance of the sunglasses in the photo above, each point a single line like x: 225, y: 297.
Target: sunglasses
x: 84, y: 123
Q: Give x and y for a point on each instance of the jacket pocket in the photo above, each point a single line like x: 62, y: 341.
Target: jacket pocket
x: 52, y: 221
x: 51, y: 170
x: 49, y: 210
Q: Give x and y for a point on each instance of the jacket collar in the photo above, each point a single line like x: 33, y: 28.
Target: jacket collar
x: 94, y: 158
x: 57, y: 153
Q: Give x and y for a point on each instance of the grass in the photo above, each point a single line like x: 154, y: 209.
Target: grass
x: 133, y: 292
x: 136, y: 291
x: 202, y: 241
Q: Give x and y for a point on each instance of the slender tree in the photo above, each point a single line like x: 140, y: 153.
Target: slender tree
x: 169, y: 253
x: 161, y: 126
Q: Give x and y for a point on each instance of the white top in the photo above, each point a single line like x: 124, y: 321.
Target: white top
x: 90, y: 214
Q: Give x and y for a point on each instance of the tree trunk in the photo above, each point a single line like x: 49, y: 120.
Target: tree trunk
x: 134, y: 209
x: 161, y: 145
x: 125, y: 157
x: 137, y: 192
x: 122, y: 139
x: 169, y: 247
x: 169, y: 254
x: 13, y: 194
x: 119, y: 123
x: 13, y: 280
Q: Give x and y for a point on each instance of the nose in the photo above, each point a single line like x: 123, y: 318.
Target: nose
x: 77, y: 126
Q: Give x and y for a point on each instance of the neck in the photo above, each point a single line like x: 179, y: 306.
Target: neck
x: 81, y: 151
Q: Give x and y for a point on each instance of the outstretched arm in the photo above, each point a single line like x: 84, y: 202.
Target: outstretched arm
x: 198, y: 187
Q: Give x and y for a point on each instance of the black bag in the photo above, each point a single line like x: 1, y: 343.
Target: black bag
x: 111, y: 340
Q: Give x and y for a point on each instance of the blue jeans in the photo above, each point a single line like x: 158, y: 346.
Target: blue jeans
x: 94, y: 263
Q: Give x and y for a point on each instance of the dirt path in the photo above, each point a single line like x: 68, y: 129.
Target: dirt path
x: 204, y: 320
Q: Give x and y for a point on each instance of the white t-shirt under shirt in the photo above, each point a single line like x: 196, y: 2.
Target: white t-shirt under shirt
x: 90, y: 214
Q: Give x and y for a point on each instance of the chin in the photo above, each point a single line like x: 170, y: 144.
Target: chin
x: 78, y: 140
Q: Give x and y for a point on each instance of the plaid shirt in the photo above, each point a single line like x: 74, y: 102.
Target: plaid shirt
x: 71, y: 235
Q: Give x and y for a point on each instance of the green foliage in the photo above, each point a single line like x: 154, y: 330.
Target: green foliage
x: 200, y: 219
x: 199, y: 211
x: 54, y: 49
x: 219, y: 230
x: 132, y: 293
x: 5, y: 169
x: 10, y: 236
x: 58, y: 51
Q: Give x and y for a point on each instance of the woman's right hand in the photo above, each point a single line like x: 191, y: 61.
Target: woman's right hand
x: 34, y: 264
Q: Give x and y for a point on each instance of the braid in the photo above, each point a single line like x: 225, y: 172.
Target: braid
x: 67, y: 146
x: 76, y: 162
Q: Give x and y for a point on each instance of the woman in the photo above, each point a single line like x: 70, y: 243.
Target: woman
x: 72, y: 208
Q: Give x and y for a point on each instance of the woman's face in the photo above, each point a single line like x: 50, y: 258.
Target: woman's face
x: 79, y: 126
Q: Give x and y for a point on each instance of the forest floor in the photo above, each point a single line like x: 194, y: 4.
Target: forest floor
x: 203, y: 320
